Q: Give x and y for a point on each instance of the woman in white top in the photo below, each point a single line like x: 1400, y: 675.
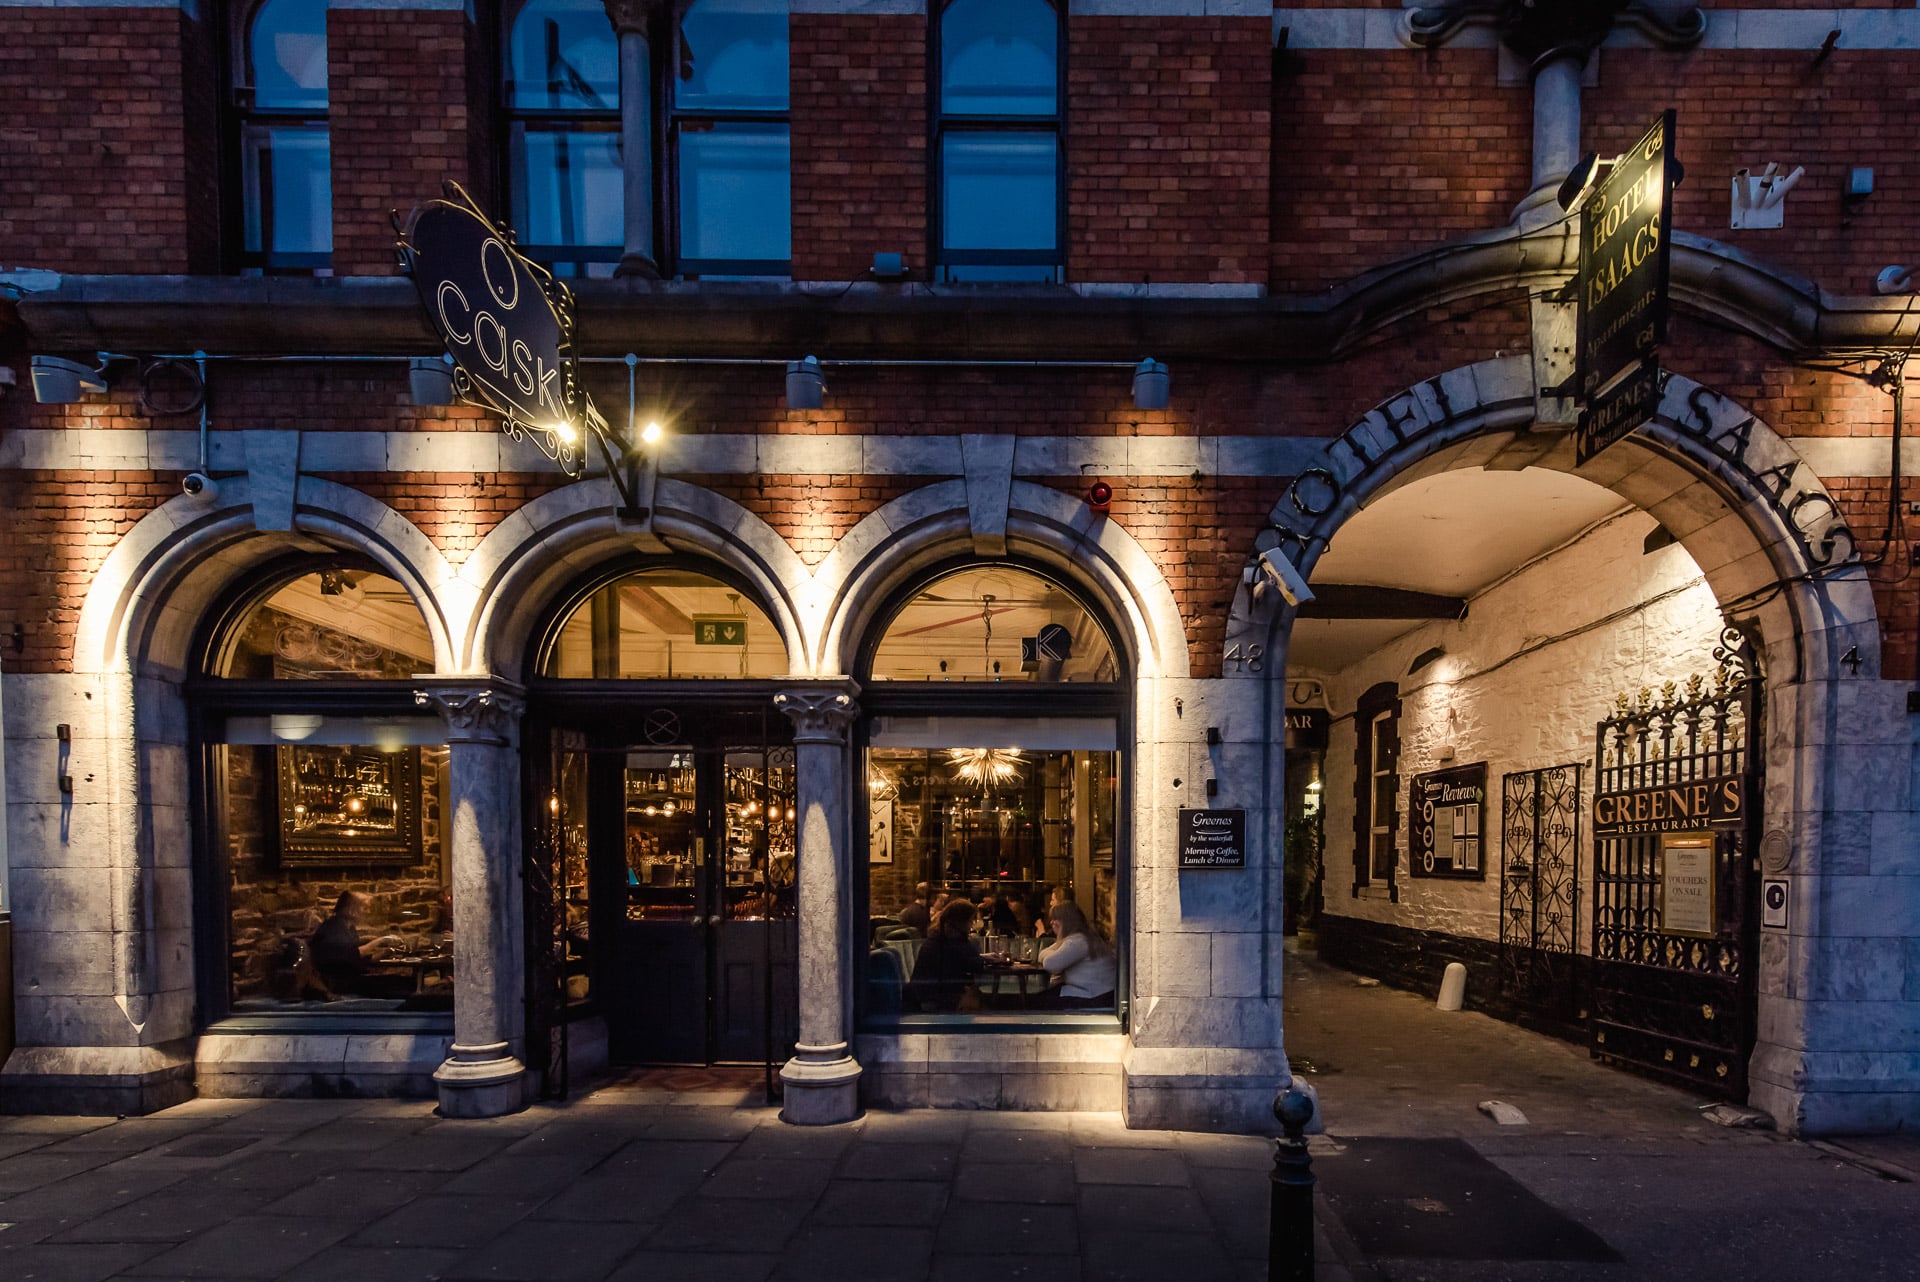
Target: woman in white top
x: 1080, y: 962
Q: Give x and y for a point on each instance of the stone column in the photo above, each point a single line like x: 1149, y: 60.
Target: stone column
x: 484, y: 1075
x: 633, y: 20
x: 822, y: 1078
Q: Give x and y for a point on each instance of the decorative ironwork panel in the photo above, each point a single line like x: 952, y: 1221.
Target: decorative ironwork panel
x: 1673, y: 940
x: 1540, y: 889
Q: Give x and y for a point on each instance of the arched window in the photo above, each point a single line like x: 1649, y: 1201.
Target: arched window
x: 992, y: 777
x: 997, y: 135
x: 727, y: 91
x: 665, y: 623
x: 328, y: 884
x: 285, y: 161
x: 562, y: 93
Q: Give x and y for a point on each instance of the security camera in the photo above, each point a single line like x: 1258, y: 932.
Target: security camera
x: 199, y: 485
x: 1280, y: 574
x: 1894, y: 280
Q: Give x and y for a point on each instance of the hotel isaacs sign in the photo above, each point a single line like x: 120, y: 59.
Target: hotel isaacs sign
x: 1681, y: 807
x: 1625, y: 246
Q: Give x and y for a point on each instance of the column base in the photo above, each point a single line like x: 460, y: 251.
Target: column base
x: 821, y: 1086
x: 481, y: 1081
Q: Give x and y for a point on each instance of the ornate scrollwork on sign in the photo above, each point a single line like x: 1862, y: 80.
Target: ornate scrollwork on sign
x: 1541, y: 30
x: 507, y: 323
x: 474, y: 713
x: 819, y: 716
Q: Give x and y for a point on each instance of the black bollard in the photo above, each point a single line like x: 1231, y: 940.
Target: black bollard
x: 1290, y: 1228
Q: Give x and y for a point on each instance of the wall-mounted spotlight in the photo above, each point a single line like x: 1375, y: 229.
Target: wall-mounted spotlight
x: 1894, y: 280
x: 1151, y: 387
x: 1426, y: 657
x: 652, y: 434
x: 1579, y: 181
x: 58, y: 381
x: 1859, y: 186
x: 806, y: 384
x: 430, y: 380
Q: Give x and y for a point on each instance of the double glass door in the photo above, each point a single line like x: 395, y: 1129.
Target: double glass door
x: 689, y: 891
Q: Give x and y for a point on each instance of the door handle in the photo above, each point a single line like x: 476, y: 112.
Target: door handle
x: 698, y: 921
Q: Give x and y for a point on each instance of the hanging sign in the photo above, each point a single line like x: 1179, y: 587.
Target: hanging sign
x: 719, y: 629
x: 1448, y: 813
x: 1687, y: 885
x: 1625, y: 246
x: 507, y: 323
x: 1213, y: 838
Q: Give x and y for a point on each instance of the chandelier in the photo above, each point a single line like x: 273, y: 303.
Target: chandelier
x: 987, y: 767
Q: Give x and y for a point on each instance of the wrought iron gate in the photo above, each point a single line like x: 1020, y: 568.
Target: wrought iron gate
x: 1674, y: 938
x: 1540, y: 892
x: 555, y: 868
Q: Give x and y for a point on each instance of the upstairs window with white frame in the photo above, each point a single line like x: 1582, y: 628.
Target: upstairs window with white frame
x: 562, y: 70
x: 997, y: 130
x: 285, y: 161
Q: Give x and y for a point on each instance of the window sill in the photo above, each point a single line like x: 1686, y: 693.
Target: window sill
x: 325, y: 1023
x: 999, y: 1022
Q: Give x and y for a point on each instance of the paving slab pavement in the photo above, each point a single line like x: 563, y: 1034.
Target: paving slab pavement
x: 627, y: 1183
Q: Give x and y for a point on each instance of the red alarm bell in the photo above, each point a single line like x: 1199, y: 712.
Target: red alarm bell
x: 1099, y: 496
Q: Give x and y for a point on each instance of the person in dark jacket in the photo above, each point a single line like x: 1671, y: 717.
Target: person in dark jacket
x: 944, y: 972
x: 340, y: 956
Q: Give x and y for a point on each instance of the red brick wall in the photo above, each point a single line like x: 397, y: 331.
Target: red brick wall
x: 859, y: 143
x: 1741, y: 109
x: 1380, y: 153
x: 60, y: 526
x: 94, y: 172
x: 456, y: 510
x: 811, y: 512
x: 1167, y: 129
x: 398, y: 109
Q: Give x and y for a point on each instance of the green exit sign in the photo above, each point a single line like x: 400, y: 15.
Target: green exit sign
x: 719, y: 629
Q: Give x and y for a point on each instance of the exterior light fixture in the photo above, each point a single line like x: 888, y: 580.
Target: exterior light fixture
x: 650, y: 434
x: 1894, y: 280
x: 1578, y: 182
x: 58, y: 381
x: 1151, y: 388
x: 430, y: 380
x: 806, y: 384
x: 1426, y: 657
x: 1859, y: 184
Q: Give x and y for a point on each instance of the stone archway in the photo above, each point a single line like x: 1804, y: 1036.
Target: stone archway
x: 1779, y: 559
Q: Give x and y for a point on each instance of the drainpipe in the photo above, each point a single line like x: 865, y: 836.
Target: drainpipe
x: 1556, y: 132
x: 632, y: 20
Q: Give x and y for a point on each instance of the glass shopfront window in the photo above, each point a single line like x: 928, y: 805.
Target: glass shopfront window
x: 326, y: 800
x: 667, y: 624
x: 993, y: 807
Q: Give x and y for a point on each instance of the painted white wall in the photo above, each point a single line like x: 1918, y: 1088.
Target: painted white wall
x: 1528, y: 673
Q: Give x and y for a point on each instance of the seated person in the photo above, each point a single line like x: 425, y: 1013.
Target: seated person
x: 944, y: 972
x: 1081, y: 963
x: 916, y: 913
x: 343, y: 961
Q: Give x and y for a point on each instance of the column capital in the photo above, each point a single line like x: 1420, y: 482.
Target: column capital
x: 1542, y: 33
x: 633, y: 15
x: 821, y: 713
x: 476, y: 710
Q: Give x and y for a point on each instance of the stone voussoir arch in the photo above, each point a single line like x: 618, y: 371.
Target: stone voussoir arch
x: 565, y: 534
x: 146, y: 604
x: 1044, y: 527
x: 1754, y: 515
